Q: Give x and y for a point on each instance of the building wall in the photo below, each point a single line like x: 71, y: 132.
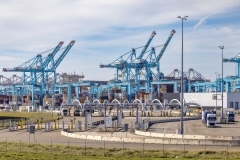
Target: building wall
x: 235, y: 99
x: 170, y: 96
x: 206, y: 99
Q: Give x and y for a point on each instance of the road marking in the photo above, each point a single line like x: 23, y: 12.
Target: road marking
x: 166, y: 128
x: 236, y: 129
x: 203, y: 126
x: 189, y: 128
x: 222, y: 130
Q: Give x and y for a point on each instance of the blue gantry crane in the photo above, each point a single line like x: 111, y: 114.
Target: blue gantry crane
x: 39, y: 68
x: 144, y: 66
x: 124, y: 65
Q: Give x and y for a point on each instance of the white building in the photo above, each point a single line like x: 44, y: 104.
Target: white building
x: 230, y: 100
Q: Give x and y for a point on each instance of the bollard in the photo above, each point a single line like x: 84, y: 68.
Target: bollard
x: 171, y: 113
x: 161, y: 113
x: 151, y: 113
x: 45, y: 127
x: 63, y: 125
x: 27, y: 127
x: 71, y: 124
x: 10, y: 125
x: 55, y: 124
x: 49, y: 125
x: 21, y: 124
x: 38, y: 124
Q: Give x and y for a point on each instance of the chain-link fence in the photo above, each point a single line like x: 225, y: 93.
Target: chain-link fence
x: 111, y: 149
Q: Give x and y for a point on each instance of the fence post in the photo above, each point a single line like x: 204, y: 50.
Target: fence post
x: 163, y: 148
x: 227, y: 150
x: 205, y: 147
x: 51, y: 146
x: 184, y: 150
x: 20, y: 145
x: 104, y: 149
x: 36, y: 146
x: 85, y: 148
x: 143, y: 146
x: 6, y: 145
x: 68, y: 146
x: 123, y: 148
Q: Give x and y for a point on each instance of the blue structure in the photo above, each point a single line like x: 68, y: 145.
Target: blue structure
x: 39, y: 70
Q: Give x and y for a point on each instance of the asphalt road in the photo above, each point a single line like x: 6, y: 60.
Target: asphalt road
x: 56, y: 138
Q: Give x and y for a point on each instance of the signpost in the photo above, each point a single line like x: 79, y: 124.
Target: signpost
x: 126, y: 129
x: 32, y: 131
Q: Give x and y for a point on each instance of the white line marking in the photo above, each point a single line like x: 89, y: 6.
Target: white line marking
x: 222, y: 130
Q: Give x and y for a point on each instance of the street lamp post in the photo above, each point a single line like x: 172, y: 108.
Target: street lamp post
x: 222, y: 47
x: 182, y: 105
x: 216, y: 92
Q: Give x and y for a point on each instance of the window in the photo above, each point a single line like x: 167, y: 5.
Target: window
x: 236, y: 105
x: 231, y: 104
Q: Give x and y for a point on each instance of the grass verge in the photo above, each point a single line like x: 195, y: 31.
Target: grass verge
x: 20, y: 150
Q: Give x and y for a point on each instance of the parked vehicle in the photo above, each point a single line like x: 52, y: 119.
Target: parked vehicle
x: 209, y: 119
x: 64, y: 112
x: 76, y: 112
x: 230, y: 116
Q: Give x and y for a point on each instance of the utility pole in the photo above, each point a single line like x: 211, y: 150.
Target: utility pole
x: 182, y: 105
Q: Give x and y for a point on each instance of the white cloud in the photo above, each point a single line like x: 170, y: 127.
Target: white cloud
x: 31, y: 27
x: 201, y: 21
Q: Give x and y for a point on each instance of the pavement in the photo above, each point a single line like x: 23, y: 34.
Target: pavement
x: 191, y: 127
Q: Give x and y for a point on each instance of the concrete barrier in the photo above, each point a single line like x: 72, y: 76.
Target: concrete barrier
x: 228, y: 138
x: 198, y: 137
x: 186, y: 137
x: 98, y: 138
x: 236, y: 138
x: 174, y: 136
x: 165, y: 140
x: 160, y: 135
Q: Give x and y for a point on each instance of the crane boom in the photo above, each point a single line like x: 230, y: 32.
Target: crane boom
x: 51, y: 55
x: 146, y: 46
x: 165, y: 46
x: 64, y: 53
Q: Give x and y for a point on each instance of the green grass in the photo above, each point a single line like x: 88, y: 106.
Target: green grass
x: 30, y: 116
x: 19, y: 150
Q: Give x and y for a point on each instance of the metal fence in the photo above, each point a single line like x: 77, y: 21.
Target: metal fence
x: 109, y: 149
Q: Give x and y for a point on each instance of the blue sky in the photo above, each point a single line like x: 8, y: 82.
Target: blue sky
x: 104, y: 30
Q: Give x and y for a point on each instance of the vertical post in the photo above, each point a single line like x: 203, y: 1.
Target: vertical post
x: 163, y: 147
x: 85, y: 148
x: 182, y: 86
x: 205, y: 148
x: 123, y: 148
x: 20, y: 145
x: 143, y: 146
x: 104, y: 148
x: 222, y: 82
x: 68, y: 146
x: 227, y: 150
x: 216, y: 92
x: 51, y: 146
x: 6, y: 144
x: 184, y: 150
